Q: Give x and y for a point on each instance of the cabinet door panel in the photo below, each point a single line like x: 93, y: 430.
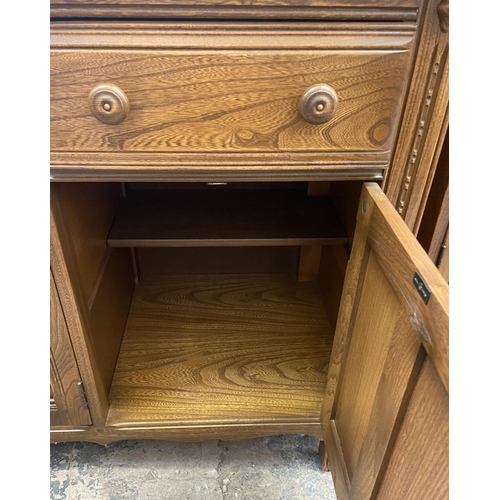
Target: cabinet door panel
x: 419, y: 461
x: 387, y: 337
x: 68, y: 406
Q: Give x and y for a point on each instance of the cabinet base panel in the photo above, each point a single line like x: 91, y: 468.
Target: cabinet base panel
x: 200, y: 433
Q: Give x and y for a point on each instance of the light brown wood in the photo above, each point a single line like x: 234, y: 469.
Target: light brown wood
x: 323, y: 456
x: 401, y: 255
x: 345, y: 197
x: 214, y: 97
x: 310, y: 259
x: 68, y: 408
x: 440, y: 231
x: 424, y: 124
x: 193, y: 431
x: 343, y: 10
x: 109, y: 104
x: 96, y: 284
x: 419, y: 463
x: 198, y: 101
x: 444, y: 261
x: 310, y: 255
x: 88, y: 213
x: 65, y: 272
x: 238, y: 3
x: 443, y: 10
x: 280, y: 36
x: 318, y: 104
x: 188, y: 104
x: 435, y: 220
x: 109, y: 311
x: 377, y: 356
x: 227, y: 167
x: 214, y: 349
x: 372, y: 348
x: 331, y: 276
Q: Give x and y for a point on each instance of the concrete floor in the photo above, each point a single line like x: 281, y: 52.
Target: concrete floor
x: 271, y: 468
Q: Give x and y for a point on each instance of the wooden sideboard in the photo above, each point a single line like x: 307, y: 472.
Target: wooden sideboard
x: 235, y: 193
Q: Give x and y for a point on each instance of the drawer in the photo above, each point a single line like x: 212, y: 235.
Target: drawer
x: 193, y: 90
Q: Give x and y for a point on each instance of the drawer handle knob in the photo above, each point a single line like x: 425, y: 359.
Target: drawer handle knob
x: 109, y: 104
x: 318, y: 104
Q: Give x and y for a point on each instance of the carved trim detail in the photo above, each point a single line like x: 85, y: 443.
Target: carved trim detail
x: 433, y: 82
x: 443, y: 10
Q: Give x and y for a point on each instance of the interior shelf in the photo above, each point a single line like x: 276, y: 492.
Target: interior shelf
x: 225, y: 218
x: 222, y: 348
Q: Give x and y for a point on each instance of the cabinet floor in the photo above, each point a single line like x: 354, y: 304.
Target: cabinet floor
x: 222, y: 349
x: 271, y: 468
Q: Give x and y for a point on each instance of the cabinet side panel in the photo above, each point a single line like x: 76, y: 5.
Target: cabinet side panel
x: 88, y: 209
x: 68, y: 408
x: 81, y: 215
x: 108, y: 314
x: 103, y: 276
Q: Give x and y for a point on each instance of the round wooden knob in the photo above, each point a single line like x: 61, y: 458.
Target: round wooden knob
x: 318, y: 104
x: 109, y: 104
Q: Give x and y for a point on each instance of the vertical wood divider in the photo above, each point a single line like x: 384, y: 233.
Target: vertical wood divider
x: 310, y: 255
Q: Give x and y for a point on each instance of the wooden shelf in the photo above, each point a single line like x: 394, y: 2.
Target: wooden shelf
x: 225, y: 218
x: 219, y: 349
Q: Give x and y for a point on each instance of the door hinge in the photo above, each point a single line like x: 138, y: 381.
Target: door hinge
x: 83, y: 396
x: 439, y: 260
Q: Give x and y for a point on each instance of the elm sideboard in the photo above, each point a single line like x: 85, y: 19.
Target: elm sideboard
x: 237, y: 188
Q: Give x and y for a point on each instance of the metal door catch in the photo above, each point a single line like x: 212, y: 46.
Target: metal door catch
x: 421, y: 286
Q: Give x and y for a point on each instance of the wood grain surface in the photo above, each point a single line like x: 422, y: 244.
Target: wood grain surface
x: 108, y: 314
x: 251, y: 3
x: 203, y: 35
x: 434, y: 224
x: 193, y: 431
x: 419, y: 466
x: 374, y: 418
x: 216, y: 349
x: 400, y: 254
x: 233, y: 101
x: 222, y: 167
x: 225, y: 218
x: 424, y: 123
x: 88, y: 210
x: 66, y: 273
x: 239, y: 9
x: 68, y: 408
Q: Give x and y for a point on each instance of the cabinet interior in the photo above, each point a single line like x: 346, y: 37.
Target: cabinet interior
x: 208, y: 302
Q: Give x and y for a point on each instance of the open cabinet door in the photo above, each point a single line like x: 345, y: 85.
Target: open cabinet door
x: 385, y: 413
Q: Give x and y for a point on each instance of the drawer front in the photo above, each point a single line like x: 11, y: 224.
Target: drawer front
x: 232, y: 101
x: 230, y: 93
